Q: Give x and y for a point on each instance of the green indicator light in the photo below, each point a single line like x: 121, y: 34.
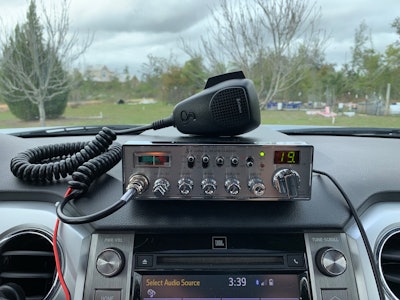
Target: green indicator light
x: 262, y: 154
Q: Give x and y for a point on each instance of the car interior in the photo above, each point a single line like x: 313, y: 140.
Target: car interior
x: 212, y: 206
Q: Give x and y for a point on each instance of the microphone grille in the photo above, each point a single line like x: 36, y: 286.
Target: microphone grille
x: 230, y: 108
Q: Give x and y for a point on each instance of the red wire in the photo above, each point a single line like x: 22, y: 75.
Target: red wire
x: 57, y: 256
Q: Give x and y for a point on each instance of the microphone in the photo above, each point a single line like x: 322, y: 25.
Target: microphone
x: 227, y: 106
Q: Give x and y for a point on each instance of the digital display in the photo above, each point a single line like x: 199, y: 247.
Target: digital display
x: 250, y: 287
x: 153, y: 159
x: 287, y: 157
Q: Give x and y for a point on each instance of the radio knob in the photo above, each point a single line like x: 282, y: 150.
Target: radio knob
x: 185, y: 185
x: 161, y: 187
x: 232, y: 186
x: 330, y: 261
x: 110, y: 262
x: 209, y: 186
x: 257, y: 186
x: 286, y: 181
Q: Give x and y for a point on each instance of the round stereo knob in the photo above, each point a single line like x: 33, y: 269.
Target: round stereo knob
x: 232, y: 186
x: 185, y: 185
x: 257, y: 186
x: 110, y: 262
x: 161, y: 187
x: 331, y: 262
x: 286, y: 181
x: 209, y: 186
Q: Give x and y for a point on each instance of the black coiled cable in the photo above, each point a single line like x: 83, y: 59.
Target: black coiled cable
x: 52, y: 162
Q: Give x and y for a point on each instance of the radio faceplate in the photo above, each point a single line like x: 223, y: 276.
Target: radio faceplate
x: 220, y: 170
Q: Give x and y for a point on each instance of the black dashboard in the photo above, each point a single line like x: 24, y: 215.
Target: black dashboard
x: 306, y: 249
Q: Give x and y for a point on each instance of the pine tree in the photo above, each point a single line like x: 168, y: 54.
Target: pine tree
x: 33, y: 81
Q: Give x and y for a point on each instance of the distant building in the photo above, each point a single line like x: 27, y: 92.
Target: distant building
x: 102, y: 74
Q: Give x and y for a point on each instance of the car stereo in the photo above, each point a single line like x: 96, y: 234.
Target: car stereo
x: 220, y: 286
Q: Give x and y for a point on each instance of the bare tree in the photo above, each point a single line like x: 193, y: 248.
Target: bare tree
x: 35, y: 58
x: 273, y: 41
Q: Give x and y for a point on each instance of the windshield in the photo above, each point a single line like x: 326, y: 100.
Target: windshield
x: 122, y: 62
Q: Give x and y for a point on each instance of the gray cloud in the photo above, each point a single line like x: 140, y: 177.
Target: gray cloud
x: 126, y: 31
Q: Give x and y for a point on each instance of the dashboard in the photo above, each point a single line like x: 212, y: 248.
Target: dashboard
x: 313, y: 247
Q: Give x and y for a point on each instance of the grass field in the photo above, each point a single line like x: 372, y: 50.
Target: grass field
x: 110, y: 113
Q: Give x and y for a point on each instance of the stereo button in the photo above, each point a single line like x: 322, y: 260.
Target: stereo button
x: 331, y: 262
x: 110, y: 262
x: 144, y: 261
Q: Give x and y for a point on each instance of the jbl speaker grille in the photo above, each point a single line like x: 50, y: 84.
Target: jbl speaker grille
x: 230, y: 107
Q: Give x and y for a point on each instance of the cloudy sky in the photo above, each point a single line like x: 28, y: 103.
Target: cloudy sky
x: 126, y: 31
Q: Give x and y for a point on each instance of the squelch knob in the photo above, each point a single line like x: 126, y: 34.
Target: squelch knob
x: 330, y: 261
x: 232, y: 186
x: 185, y: 185
x: 110, y: 262
x: 209, y: 186
x: 161, y: 187
x: 286, y: 181
x: 256, y: 186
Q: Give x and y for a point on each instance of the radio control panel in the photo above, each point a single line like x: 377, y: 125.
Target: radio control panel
x: 220, y: 171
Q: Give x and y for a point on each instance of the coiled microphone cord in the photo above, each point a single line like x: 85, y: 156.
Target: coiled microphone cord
x: 84, y: 161
x: 52, y: 162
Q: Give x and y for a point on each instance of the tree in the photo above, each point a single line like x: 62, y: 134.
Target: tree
x: 273, y: 41
x: 33, y: 76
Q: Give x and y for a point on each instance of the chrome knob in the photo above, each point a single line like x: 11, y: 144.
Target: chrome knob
x: 286, y: 181
x: 209, y: 186
x: 110, y: 262
x: 161, y: 187
x: 185, y: 185
x: 331, y: 262
x: 256, y: 186
x: 232, y: 186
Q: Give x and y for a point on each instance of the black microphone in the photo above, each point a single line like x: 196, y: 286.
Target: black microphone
x: 227, y: 106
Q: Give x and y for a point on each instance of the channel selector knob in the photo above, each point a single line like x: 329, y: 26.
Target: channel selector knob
x: 232, y: 186
x: 256, y: 186
x: 185, y: 185
x: 330, y: 261
x: 209, y: 186
x: 286, y: 181
x: 110, y: 262
x: 161, y: 187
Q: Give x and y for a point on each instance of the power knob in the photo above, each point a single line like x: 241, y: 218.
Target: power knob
x: 286, y: 181
x: 331, y: 262
x: 110, y: 262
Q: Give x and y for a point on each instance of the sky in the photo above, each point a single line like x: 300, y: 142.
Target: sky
x: 127, y: 31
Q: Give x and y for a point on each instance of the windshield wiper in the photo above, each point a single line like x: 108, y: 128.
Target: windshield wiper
x: 70, y: 131
x: 345, y: 131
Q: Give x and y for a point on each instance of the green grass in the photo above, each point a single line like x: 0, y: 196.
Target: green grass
x: 89, y: 114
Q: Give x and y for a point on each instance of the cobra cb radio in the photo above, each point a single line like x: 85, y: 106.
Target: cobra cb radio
x: 227, y: 106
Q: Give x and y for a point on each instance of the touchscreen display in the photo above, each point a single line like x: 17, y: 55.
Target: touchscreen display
x: 249, y: 287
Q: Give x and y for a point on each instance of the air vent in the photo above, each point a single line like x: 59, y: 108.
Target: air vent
x: 26, y: 258
x: 389, y: 263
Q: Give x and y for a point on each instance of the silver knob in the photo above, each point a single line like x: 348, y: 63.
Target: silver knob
x: 232, y: 186
x: 185, y: 185
x: 110, y: 262
x: 256, y: 186
x: 286, y: 181
x: 209, y: 186
x: 161, y: 187
x: 331, y: 262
